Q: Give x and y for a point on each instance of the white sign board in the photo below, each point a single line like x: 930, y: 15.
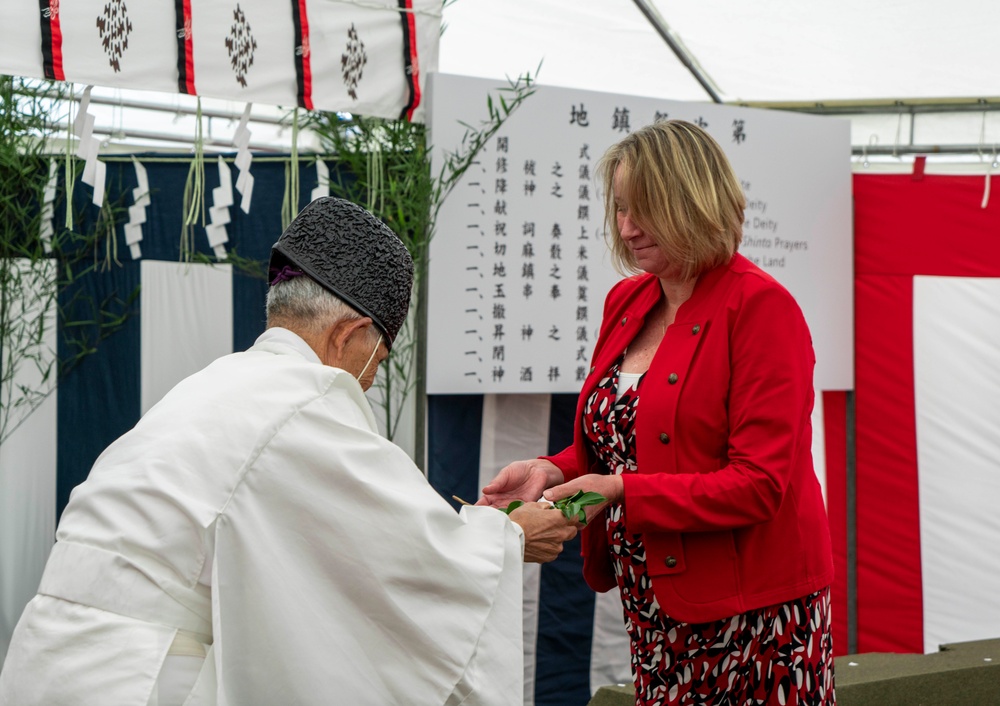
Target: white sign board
x: 519, y: 265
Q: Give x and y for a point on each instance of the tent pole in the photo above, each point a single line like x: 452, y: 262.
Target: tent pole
x: 686, y: 57
x: 852, y: 528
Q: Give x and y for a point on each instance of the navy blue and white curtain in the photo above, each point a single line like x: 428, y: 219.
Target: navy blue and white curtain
x: 180, y: 315
x: 574, y: 639
x: 175, y: 317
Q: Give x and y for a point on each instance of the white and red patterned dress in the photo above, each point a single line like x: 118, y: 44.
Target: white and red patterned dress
x: 779, y: 654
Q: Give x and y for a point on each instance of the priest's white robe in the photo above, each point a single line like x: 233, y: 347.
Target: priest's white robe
x: 256, y: 510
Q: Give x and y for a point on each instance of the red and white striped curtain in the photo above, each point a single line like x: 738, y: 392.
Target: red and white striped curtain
x: 927, y: 337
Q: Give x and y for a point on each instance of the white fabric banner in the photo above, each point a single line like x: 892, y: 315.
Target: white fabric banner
x: 113, y: 44
x: 244, y: 51
x: 357, y: 54
x: 370, y: 58
x: 20, y: 39
x: 956, y: 344
x: 186, y: 322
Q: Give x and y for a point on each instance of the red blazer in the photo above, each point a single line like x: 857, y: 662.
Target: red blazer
x: 725, y: 497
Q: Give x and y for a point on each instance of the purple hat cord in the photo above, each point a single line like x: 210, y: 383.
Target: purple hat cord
x: 285, y: 273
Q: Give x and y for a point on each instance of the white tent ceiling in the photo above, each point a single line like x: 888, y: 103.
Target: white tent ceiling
x: 767, y: 50
x: 921, y: 74
x: 929, y: 66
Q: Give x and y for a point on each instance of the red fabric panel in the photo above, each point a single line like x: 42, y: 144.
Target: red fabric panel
x: 835, y: 435
x: 889, y: 589
x: 303, y: 62
x: 411, y: 61
x: 57, y: 57
x: 188, y: 57
x: 931, y: 226
x: 52, y: 61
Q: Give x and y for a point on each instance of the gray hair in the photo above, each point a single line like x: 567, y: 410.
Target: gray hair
x: 300, y: 304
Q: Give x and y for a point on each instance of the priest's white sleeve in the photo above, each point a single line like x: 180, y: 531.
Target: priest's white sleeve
x: 341, y: 576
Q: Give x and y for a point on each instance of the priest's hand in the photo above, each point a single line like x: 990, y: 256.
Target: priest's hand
x: 545, y: 531
x: 521, y: 480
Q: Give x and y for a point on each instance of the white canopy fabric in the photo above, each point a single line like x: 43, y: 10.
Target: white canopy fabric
x: 769, y: 50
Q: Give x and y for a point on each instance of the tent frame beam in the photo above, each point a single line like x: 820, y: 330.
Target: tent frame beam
x: 678, y: 48
x: 930, y: 150
x: 906, y: 106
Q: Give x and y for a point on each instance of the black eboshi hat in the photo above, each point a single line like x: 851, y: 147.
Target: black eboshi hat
x: 354, y: 255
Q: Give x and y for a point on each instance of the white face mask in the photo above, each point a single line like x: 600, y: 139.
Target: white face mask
x: 370, y: 358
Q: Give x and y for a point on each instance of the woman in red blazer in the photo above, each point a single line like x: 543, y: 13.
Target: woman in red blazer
x: 714, y: 530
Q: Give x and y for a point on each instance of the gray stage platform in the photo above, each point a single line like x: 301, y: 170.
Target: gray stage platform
x: 961, y: 674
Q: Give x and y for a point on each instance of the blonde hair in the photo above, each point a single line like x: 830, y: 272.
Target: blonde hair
x: 680, y: 190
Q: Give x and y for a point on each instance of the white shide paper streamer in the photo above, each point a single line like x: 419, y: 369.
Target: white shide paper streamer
x: 322, y: 181
x: 222, y: 199
x: 137, y: 211
x: 241, y: 138
x: 88, y: 147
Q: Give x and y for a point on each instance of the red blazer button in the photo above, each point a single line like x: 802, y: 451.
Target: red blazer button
x: 670, y: 561
x: 672, y: 378
x: 664, y: 438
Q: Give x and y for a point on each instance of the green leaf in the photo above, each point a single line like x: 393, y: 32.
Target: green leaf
x: 572, y: 507
x: 513, y: 506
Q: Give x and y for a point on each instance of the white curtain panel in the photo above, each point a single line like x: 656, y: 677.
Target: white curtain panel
x: 610, y: 651
x: 27, y: 485
x: 187, y: 322
x: 956, y: 342
x: 27, y: 513
x: 819, y: 442
x: 516, y: 427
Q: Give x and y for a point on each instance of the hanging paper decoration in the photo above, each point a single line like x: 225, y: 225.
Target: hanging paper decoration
x: 137, y: 211
x: 46, y: 228
x: 322, y: 181
x: 241, y: 138
x: 369, y: 57
x: 94, y: 170
x: 218, y: 213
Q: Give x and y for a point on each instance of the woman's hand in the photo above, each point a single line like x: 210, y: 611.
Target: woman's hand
x: 545, y: 531
x: 520, y: 480
x: 610, y: 486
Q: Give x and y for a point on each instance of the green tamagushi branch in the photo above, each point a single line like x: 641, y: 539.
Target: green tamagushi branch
x: 571, y: 507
